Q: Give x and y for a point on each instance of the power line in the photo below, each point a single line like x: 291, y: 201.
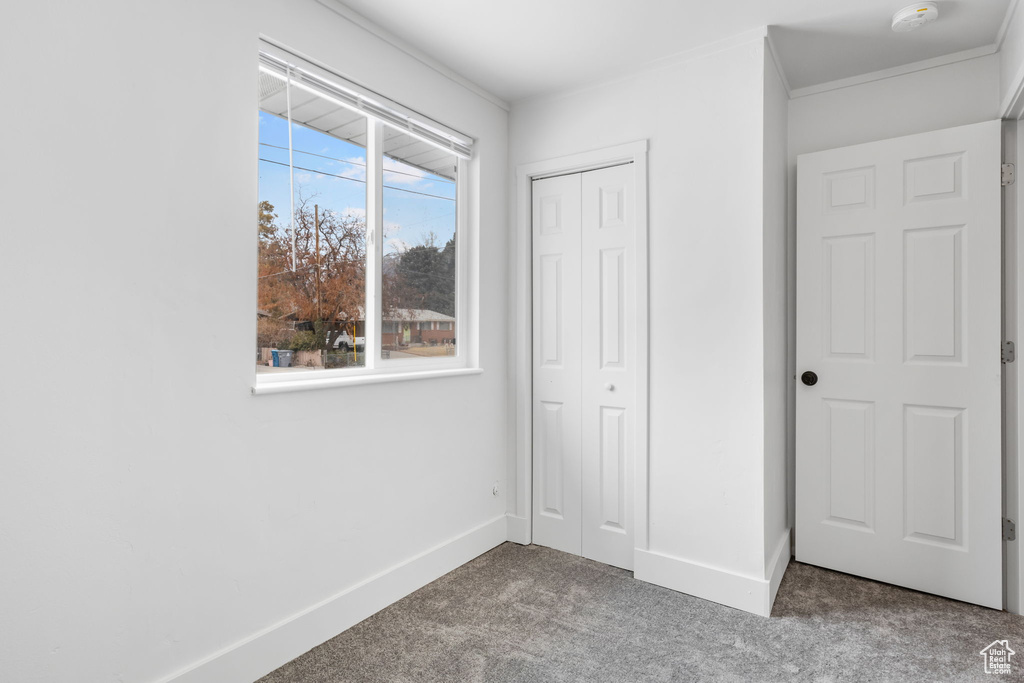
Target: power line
x: 356, y: 163
x: 356, y: 180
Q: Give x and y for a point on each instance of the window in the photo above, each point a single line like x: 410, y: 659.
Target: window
x: 444, y: 326
x: 359, y: 216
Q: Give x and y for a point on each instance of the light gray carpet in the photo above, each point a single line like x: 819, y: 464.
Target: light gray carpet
x: 534, y: 614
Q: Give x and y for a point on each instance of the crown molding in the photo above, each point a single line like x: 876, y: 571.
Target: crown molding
x: 901, y: 70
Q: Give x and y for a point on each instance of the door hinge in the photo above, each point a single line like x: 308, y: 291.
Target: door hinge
x: 1009, y: 352
x: 1008, y: 174
x: 1009, y: 530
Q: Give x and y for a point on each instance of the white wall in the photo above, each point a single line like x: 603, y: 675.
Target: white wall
x: 946, y: 96
x: 152, y: 511
x: 1011, y: 60
x: 704, y: 120
x: 777, y: 368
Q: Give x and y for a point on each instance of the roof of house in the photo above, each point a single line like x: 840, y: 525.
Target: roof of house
x: 414, y: 315
x: 417, y: 315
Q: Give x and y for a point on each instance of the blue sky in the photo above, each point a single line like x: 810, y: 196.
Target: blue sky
x: 319, y: 158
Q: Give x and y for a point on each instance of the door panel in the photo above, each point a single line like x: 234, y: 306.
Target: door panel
x: 849, y: 282
x: 850, y: 459
x: 933, y: 463
x: 898, y: 313
x: 933, y: 291
x: 612, y: 463
x: 556, y: 365
x: 608, y: 368
x: 551, y: 455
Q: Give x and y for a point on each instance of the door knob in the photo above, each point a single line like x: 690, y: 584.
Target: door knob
x: 609, y: 386
x: 809, y: 378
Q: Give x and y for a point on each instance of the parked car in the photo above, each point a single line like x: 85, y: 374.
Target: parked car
x: 344, y: 342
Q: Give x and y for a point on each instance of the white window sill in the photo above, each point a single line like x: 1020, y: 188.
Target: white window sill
x: 260, y: 389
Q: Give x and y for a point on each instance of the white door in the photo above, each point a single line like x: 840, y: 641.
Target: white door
x: 898, y: 448
x: 584, y: 363
x: 609, y: 364
x: 557, y: 409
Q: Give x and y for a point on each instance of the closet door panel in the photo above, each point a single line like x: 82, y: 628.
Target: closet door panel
x: 608, y: 318
x: 557, y: 507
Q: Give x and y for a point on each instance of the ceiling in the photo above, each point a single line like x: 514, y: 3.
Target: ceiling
x: 528, y: 48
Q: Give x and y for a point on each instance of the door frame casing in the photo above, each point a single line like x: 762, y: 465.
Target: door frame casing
x: 1013, y: 330
x: 1013, y: 409
x: 519, y: 505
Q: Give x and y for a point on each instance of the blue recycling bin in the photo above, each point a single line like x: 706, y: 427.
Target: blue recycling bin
x: 276, y: 358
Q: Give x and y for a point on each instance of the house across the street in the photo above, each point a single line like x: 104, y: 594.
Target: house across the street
x: 404, y: 326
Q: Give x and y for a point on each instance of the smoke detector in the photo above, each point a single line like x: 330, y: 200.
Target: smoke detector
x: 914, y: 17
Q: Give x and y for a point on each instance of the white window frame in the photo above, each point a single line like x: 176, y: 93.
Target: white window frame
x: 377, y: 368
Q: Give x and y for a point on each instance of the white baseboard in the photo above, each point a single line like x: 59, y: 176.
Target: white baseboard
x: 747, y: 593
x: 276, y: 645
x: 519, y: 530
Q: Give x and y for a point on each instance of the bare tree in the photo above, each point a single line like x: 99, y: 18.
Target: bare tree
x: 327, y: 286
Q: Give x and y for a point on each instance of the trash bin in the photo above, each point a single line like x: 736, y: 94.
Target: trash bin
x: 276, y: 359
x: 285, y: 358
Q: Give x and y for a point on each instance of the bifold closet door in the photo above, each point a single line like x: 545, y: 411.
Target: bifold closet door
x: 609, y: 364
x: 584, y: 363
x: 557, y: 481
